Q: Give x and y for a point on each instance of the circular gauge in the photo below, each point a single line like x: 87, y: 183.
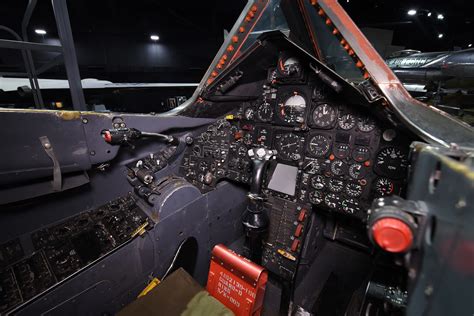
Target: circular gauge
x: 263, y: 136
x: 242, y: 151
x: 324, y: 115
x: 354, y: 189
x: 392, y: 162
x: 292, y: 109
x: 318, y: 182
x: 361, y: 154
x: 289, y: 67
x: 356, y: 171
x: 384, y: 186
x: 332, y: 200
x: 249, y: 114
x: 265, y: 112
x: 346, y: 122
x: 350, y: 206
x: 365, y: 124
x: 312, y: 166
x: 341, y: 151
x: 288, y: 146
x: 316, y: 197
x: 336, y: 185
x: 338, y: 167
x: 248, y: 139
x: 319, y: 145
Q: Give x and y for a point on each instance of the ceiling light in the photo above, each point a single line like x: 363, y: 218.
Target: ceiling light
x: 411, y: 12
x: 440, y: 17
x: 429, y: 14
x: 470, y: 45
x: 440, y: 35
x: 154, y: 37
x: 40, y: 31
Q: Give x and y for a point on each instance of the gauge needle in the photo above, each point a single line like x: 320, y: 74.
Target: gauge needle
x: 288, y: 145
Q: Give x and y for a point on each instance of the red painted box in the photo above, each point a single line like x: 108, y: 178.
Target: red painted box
x: 236, y: 282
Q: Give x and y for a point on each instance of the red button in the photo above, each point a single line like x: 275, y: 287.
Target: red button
x: 298, y: 230
x: 392, y: 235
x: 107, y: 136
x: 302, y: 215
x: 294, y: 245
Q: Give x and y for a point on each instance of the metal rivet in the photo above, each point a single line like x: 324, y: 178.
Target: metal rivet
x: 47, y: 145
x: 85, y: 121
x: 92, y: 153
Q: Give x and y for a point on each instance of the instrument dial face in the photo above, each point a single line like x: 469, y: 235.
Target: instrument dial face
x: 289, y: 66
x: 361, y: 154
x: 265, y: 112
x: 350, y: 206
x: 316, y: 197
x: 292, y: 109
x: 341, y: 151
x: 312, y: 166
x: 384, y: 187
x: 337, y: 167
x: 318, y: 182
x: 346, y: 122
x: 332, y: 200
x: 248, y: 138
x: 392, y: 162
x: 319, y: 145
x: 354, y: 189
x: 365, y: 124
x: 356, y: 171
x: 324, y: 115
x: 249, y: 114
x: 336, y: 185
x: 289, y: 146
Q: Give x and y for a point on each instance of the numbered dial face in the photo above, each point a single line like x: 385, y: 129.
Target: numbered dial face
x: 361, y: 154
x: 324, y: 115
x: 341, y: 151
x: 289, y: 67
x: 265, y: 112
x: 316, y: 197
x: 354, y: 189
x: 249, y: 114
x: 338, y: 167
x: 319, y: 145
x: 336, y: 185
x: 365, y: 124
x: 392, y: 162
x: 292, y: 109
x: 289, y: 146
x: 346, y: 122
x: 384, y: 186
x: 318, y: 182
x: 356, y: 171
x: 350, y: 206
x: 312, y: 166
x: 332, y: 200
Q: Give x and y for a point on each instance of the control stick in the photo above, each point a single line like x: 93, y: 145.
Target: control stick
x: 255, y: 219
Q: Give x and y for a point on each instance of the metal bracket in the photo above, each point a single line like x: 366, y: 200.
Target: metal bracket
x: 48, y: 148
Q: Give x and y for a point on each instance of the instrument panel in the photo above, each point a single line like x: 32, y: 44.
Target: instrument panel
x: 344, y: 157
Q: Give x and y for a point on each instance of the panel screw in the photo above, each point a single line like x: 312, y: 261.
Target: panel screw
x: 92, y: 153
x: 85, y: 121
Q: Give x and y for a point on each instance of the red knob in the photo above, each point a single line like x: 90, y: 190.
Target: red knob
x: 392, y: 235
x: 107, y: 136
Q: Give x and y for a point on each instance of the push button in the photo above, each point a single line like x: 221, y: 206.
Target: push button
x: 294, y: 245
x: 298, y: 230
x: 302, y: 215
